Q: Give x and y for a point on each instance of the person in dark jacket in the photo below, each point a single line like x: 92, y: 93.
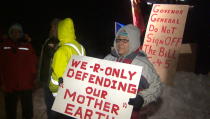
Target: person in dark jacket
x: 47, y: 52
x: 17, y: 72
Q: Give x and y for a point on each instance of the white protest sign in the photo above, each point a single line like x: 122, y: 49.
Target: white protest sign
x: 164, y: 36
x: 97, y: 89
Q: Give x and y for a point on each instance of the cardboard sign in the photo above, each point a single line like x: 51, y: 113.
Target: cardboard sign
x: 97, y: 89
x: 164, y: 36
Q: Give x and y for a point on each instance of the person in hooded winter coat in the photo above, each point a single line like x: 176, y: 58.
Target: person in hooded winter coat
x: 18, y: 66
x: 67, y: 47
x: 126, y: 50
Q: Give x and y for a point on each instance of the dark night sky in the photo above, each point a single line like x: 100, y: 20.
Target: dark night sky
x: 93, y: 19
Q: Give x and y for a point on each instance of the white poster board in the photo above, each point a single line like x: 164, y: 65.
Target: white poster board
x: 97, y: 89
x: 164, y: 36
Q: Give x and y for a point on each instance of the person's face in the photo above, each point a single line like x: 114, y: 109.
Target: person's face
x: 122, y: 45
x: 53, y: 31
x: 15, y: 34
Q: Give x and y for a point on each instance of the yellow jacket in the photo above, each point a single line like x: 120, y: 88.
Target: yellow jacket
x: 68, y: 46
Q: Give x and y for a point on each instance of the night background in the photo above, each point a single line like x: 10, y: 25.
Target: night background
x: 94, y: 22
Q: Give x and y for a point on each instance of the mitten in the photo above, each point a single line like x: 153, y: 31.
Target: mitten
x: 60, y: 81
x: 136, y: 102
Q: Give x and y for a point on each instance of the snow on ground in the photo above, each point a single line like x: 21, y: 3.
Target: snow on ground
x: 188, y: 98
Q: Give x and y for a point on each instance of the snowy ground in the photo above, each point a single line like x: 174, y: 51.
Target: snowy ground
x: 188, y: 98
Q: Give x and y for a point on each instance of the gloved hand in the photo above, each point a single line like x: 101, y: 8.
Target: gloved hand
x: 60, y: 81
x: 136, y: 102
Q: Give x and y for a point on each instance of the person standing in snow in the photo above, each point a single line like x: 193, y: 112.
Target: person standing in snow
x: 67, y: 47
x: 126, y: 50
x: 44, y: 73
x: 18, y: 66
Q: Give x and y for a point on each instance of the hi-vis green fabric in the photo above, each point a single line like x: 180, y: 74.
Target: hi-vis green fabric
x: 66, y: 35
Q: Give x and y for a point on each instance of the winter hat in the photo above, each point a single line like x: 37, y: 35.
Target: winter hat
x: 16, y: 26
x: 123, y: 33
